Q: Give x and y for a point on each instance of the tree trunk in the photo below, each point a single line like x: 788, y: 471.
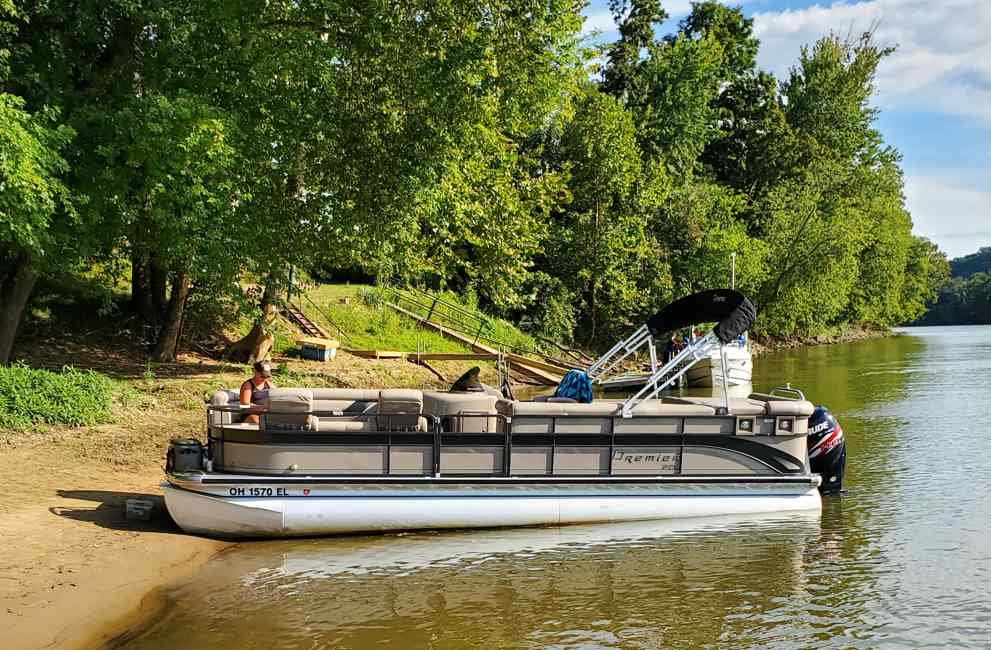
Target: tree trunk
x: 168, y: 337
x: 141, y: 289
x: 14, y: 294
x: 257, y: 345
x: 159, y: 277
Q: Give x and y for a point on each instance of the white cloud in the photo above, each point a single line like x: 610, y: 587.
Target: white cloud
x: 957, y: 218
x: 943, y: 61
x: 598, y: 21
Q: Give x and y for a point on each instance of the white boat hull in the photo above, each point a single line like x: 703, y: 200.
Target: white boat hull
x: 380, y: 508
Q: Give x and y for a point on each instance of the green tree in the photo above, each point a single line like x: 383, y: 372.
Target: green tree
x: 832, y: 214
x: 926, y: 272
x: 672, y: 100
x: 167, y: 191
x: 637, y: 20
x: 600, y: 247
x: 36, y: 210
x: 701, y: 227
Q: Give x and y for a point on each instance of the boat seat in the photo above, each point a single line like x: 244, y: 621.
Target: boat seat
x: 604, y: 417
x: 345, y: 401
x: 345, y: 425
x: 776, y: 405
x: 225, y: 397
x: 289, y: 409
x: 366, y: 424
x: 471, y: 407
x: 399, y: 410
x: 609, y: 408
x: 738, y: 405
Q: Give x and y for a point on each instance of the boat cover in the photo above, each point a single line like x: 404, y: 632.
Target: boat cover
x: 733, y: 312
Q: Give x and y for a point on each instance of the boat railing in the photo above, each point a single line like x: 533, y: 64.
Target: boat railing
x: 562, y: 449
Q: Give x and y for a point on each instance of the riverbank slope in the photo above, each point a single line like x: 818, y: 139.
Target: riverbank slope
x: 763, y: 345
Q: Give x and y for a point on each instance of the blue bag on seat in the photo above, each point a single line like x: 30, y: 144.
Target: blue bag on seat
x: 575, y: 385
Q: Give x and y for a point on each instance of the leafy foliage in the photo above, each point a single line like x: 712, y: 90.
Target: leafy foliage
x: 964, y: 298
x: 30, y: 397
x: 198, y: 147
x: 968, y: 265
x: 31, y: 166
x: 962, y: 301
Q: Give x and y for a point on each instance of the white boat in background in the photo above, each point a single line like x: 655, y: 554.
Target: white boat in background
x: 708, y: 372
x: 330, y: 460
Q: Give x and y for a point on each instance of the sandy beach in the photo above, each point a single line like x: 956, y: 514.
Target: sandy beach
x: 74, y: 572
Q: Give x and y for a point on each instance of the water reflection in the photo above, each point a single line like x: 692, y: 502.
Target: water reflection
x: 644, y: 584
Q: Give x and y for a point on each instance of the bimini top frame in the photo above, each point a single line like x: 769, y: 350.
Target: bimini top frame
x: 733, y: 314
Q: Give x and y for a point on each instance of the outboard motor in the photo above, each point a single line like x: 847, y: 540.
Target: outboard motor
x: 184, y: 455
x: 827, y: 450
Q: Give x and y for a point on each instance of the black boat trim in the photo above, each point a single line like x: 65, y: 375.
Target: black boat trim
x: 773, y: 458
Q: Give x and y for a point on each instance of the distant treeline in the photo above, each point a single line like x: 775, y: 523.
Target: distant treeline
x: 191, y: 147
x: 966, y: 298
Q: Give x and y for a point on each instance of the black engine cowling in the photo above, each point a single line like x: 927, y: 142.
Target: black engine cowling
x: 827, y: 450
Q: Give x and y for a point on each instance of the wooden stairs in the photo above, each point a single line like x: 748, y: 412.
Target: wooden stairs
x: 296, y: 316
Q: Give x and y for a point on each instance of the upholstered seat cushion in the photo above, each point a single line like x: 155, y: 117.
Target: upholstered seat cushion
x: 289, y: 408
x: 737, y: 405
x: 777, y: 406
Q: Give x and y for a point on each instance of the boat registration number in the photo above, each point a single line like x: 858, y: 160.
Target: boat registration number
x: 258, y: 492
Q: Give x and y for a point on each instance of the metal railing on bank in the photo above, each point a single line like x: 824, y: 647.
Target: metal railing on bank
x: 474, y: 325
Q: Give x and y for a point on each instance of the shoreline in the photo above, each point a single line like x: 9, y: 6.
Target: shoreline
x: 117, y: 632
x: 762, y: 346
x: 150, y: 591
x: 75, y: 572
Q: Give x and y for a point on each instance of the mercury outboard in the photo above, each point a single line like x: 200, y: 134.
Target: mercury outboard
x: 827, y: 450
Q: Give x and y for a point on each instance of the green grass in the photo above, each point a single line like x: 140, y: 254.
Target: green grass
x: 370, y: 325
x: 30, y: 397
x: 496, y: 332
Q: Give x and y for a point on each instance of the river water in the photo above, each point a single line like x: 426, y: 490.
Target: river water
x: 902, y: 560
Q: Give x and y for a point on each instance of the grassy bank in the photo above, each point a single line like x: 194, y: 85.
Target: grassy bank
x: 359, y: 314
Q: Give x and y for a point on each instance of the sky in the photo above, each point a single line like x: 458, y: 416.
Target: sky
x: 934, y: 93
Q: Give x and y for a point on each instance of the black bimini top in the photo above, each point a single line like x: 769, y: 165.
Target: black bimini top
x: 731, y: 309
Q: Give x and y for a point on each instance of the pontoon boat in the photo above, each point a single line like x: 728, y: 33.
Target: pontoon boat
x: 340, y: 460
